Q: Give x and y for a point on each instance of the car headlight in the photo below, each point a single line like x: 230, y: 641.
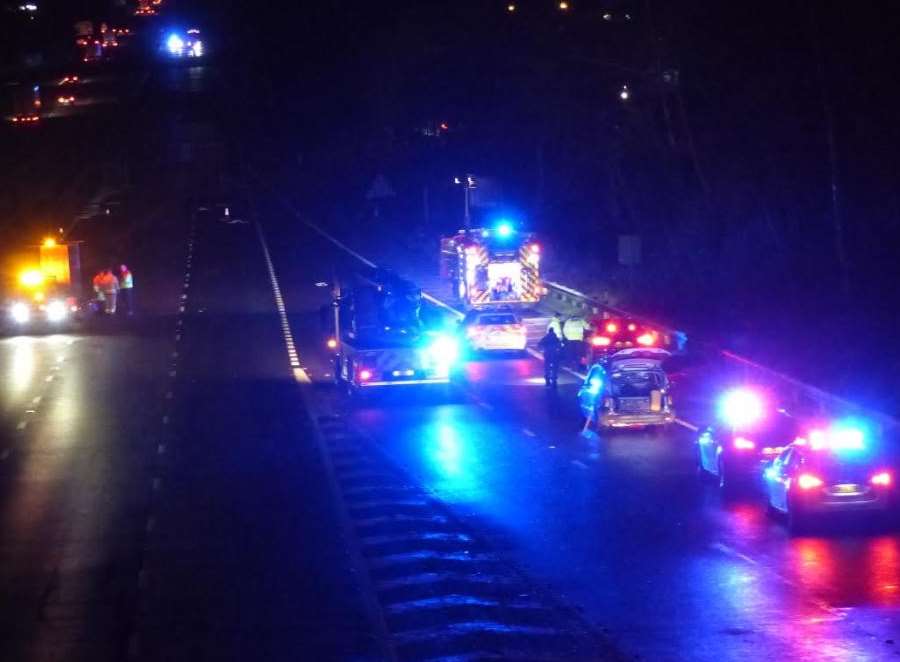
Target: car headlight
x: 20, y: 313
x: 56, y: 311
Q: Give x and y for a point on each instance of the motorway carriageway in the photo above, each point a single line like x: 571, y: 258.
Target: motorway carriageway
x: 617, y: 525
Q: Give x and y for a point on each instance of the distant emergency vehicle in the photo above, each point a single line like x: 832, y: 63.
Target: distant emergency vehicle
x: 490, y: 266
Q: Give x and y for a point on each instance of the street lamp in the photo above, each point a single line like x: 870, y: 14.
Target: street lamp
x: 467, y: 183
x: 511, y: 7
x: 563, y: 5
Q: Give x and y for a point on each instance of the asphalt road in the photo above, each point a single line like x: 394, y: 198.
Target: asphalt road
x: 171, y: 488
x: 616, y: 525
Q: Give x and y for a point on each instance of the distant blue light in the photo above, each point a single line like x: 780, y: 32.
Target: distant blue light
x: 175, y: 44
x: 504, y: 229
x: 595, y: 385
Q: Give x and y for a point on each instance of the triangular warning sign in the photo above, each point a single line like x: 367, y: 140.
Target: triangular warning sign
x: 380, y: 189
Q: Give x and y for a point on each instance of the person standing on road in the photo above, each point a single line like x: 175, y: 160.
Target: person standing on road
x: 126, y: 288
x: 551, y: 346
x: 109, y: 285
x: 98, y: 287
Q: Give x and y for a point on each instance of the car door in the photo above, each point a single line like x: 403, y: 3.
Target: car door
x: 591, y: 390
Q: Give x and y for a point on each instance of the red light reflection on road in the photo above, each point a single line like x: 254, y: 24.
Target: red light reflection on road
x: 883, y: 565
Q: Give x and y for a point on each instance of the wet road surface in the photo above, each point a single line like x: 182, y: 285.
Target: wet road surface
x: 618, y: 525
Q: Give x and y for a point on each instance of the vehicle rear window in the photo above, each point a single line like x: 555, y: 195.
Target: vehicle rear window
x: 636, y: 382
x: 497, y: 319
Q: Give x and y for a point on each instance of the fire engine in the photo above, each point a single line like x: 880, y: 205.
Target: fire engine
x: 379, y: 339
x: 490, y: 266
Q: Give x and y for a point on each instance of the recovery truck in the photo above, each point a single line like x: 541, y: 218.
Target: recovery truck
x: 379, y: 339
x: 491, y: 266
x: 45, y: 294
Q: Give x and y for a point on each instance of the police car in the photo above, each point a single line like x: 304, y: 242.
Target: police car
x: 494, y: 330
x: 747, y: 433
x: 831, y: 471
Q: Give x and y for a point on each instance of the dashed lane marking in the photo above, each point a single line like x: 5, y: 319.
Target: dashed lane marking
x: 299, y: 373
x: 22, y: 425
x: 687, y: 424
x: 579, y: 464
x: 36, y: 400
x: 161, y: 449
x: 821, y: 604
x: 528, y: 433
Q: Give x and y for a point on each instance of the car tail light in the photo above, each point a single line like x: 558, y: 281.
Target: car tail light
x: 600, y: 341
x: 365, y: 375
x: 744, y: 444
x: 646, y: 339
x: 808, y: 481
x: 632, y: 327
x: 882, y: 479
x: 612, y: 327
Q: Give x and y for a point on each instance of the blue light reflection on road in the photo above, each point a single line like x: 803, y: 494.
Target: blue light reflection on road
x: 454, y: 458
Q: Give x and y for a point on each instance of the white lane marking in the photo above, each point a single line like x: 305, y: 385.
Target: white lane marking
x: 440, y: 303
x: 151, y: 523
x: 177, y: 337
x: 821, y: 604
x: 337, y: 243
x: 299, y: 373
x: 687, y: 424
x: 528, y: 433
x: 36, y: 400
x: 168, y: 395
x: 156, y: 483
x: 174, y: 355
x: 485, y: 405
x: 22, y: 425
x: 49, y: 378
x: 4, y: 454
x: 161, y: 449
x: 579, y: 464
x: 172, y: 373
x: 165, y: 420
